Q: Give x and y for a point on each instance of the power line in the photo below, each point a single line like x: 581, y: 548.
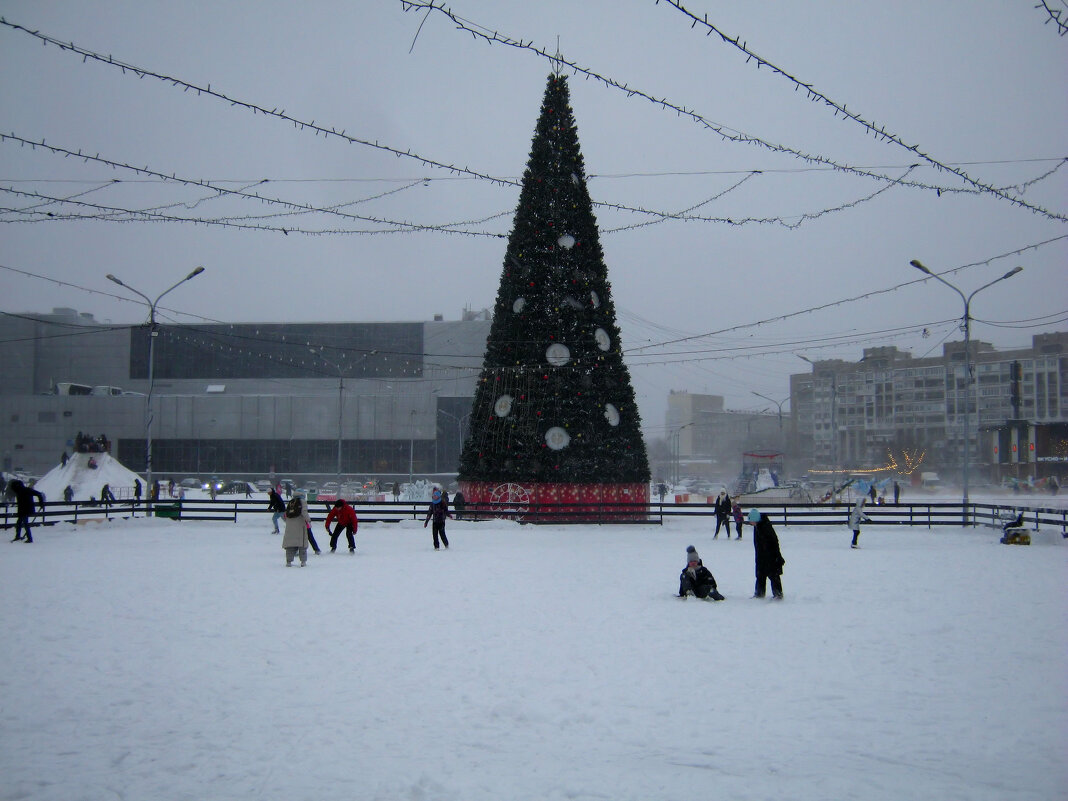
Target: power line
x: 728, y: 134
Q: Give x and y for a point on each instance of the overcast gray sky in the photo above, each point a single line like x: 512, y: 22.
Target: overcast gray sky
x: 979, y: 86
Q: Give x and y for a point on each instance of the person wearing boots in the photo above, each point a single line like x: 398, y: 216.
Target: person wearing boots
x: 696, y: 578
x: 295, y: 538
x: 856, y: 517
x: 24, y: 508
x: 346, y: 521
x: 736, y: 513
x: 437, y: 512
x: 276, y: 506
x: 769, y: 561
x: 723, y: 512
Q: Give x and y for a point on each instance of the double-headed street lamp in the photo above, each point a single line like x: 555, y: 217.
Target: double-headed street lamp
x: 153, y: 333
x: 967, y: 322
x: 777, y: 403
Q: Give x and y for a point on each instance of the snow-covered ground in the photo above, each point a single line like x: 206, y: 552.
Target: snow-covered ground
x: 152, y: 659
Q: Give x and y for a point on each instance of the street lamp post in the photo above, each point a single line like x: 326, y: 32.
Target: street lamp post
x: 967, y: 322
x: 777, y: 403
x: 340, y: 399
x: 459, y: 429
x: 152, y: 334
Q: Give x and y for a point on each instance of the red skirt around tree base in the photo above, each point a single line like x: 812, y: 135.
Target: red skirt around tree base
x: 561, y: 503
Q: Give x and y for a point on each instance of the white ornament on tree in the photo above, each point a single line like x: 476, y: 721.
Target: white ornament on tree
x: 611, y: 414
x: 519, y: 305
x: 566, y: 241
x: 596, y: 301
x: 503, y: 406
x: 604, y: 342
x: 557, y: 438
x: 557, y: 355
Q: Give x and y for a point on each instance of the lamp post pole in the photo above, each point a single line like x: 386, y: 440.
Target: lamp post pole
x: 153, y: 332
x: 967, y: 321
x: 459, y: 429
x: 340, y: 400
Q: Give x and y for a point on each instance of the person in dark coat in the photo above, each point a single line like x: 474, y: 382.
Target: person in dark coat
x: 897, y: 492
x: 769, y: 561
x: 458, y: 503
x: 276, y: 505
x: 107, y: 497
x: 137, y: 490
x: 723, y: 514
x: 25, y: 508
x: 696, y: 578
x: 437, y: 512
x: 68, y: 493
x: 346, y: 521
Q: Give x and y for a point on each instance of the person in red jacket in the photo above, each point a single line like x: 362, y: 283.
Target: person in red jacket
x: 346, y: 521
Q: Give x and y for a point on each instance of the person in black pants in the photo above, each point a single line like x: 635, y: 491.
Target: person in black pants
x: 438, y: 511
x: 769, y: 561
x: 25, y: 508
x: 696, y: 578
x: 723, y: 514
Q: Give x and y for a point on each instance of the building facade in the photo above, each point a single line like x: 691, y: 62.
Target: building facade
x: 889, y: 407
x: 244, y: 400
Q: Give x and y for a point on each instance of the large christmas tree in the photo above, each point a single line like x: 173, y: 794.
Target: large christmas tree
x: 554, y: 410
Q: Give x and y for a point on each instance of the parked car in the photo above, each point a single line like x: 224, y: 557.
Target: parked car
x: 191, y: 483
x: 263, y: 485
x: 329, y: 488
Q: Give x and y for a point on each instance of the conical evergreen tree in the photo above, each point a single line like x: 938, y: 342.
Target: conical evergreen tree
x: 554, y: 402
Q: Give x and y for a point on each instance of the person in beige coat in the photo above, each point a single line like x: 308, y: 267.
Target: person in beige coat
x: 295, y: 537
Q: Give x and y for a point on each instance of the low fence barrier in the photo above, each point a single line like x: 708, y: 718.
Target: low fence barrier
x: 785, y: 514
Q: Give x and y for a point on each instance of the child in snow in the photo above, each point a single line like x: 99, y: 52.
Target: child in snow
x: 295, y: 538
x: 736, y: 512
x: 438, y: 511
x: 856, y: 517
x: 696, y: 578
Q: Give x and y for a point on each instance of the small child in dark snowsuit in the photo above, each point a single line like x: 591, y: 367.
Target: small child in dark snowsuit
x: 696, y: 578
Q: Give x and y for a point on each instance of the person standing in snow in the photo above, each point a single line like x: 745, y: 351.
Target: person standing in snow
x: 276, y: 505
x: 295, y: 538
x: 897, y: 493
x: 25, y: 508
x: 769, y: 561
x: 723, y: 511
x: 696, y: 578
x: 736, y: 513
x: 856, y: 517
x: 137, y: 490
x: 346, y: 521
x: 68, y: 493
x: 437, y: 512
x: 107, y: 497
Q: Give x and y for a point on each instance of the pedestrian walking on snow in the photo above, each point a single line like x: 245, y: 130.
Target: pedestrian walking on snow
x: 856, y: 517
x: 437, y: 512
x: 723, y: 511
x: 736, y: 513
x: 769, y: 561
x: 295, y: 538
x: 276, y: 505
x: 25, y: 508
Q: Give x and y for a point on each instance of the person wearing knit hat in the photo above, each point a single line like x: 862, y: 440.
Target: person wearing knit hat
x: 696, y: 578
x: 769, y: 561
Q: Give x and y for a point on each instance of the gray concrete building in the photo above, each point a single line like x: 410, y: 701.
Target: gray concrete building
x: 858, y: 415
x: 242, y: 400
